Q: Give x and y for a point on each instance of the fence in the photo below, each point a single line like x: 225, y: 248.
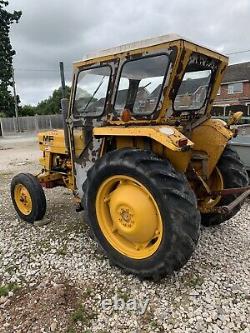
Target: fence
x: 9, y: 126
x: 223, y: 112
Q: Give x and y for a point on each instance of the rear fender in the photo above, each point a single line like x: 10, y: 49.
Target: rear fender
x: 164, y: 141
x: 211, y: 137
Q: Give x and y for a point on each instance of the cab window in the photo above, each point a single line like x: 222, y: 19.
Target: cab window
x: 193, y: 90
x: 91, y: 91
x: 140, y: 85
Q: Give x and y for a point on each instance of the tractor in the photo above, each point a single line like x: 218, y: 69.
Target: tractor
x: 141, y: 153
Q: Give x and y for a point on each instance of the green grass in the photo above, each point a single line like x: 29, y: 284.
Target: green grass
x: 82, y: 315
x: 5, y: 289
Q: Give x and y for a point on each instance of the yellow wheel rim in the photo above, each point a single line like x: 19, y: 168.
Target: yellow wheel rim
x: 129, y: 217
x: 23, y: 199
x: 215, y: 183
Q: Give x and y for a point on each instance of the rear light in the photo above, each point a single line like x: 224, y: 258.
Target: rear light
x: 182, y: 142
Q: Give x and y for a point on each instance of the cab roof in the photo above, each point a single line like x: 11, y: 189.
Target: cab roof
x: 142, y: 44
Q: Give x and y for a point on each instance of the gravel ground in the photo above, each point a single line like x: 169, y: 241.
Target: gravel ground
x: 54, y: 277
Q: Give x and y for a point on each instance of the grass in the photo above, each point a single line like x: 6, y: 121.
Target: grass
x: 192, y: 280
x: 195, y: 281
x: 62, y: 251
x: 5, y: 289
x: 123, y: 295
x: 81, y: 314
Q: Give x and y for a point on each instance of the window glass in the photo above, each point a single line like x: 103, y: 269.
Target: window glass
x: 91, y: 91
x: 234, y: 88
x: 140, y: 84
x: 193, y: 90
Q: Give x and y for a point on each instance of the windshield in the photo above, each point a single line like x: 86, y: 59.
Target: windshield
x: 92, y: 87
x: 141, y: 84
x: 193, y: 90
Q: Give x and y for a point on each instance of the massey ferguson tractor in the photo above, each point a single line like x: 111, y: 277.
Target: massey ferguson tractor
x: 141, y: 153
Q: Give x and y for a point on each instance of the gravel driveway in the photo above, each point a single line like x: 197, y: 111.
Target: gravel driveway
x: 53, y: 276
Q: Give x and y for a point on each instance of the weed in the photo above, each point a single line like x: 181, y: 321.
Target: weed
x: 82, y: 315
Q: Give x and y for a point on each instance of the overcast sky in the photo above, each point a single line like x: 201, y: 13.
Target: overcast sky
x: 59, y: 30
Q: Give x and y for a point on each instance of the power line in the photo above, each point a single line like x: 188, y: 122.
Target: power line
x: 39, y: 70
x: 238, y: 52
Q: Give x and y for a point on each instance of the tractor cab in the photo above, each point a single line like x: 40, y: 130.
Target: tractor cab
x: 158, y: 79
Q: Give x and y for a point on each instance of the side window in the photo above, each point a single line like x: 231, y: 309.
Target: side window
x: 91, y: 91
x: 193, y: 90
x: 140, y: 84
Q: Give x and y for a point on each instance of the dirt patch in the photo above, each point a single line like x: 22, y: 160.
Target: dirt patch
x: 49, y: 307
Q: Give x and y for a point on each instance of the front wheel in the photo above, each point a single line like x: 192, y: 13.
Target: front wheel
x: 28, y: 197
x: 142, y: 212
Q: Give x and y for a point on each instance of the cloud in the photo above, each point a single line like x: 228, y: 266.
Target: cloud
x: 60, y: 30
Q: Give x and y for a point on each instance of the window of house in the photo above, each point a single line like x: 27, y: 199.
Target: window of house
x: 235, y: 88
x: 91, y: 91
x: 219, y: 91
x: 140, y: 84
x: 193, y: 90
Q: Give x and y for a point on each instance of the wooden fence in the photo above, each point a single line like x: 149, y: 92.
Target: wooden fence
x: 30, y: 124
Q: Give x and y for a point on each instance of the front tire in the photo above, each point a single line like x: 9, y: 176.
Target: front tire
x: 234, y: 175
x: 28, y: 197
x: 142, y: 212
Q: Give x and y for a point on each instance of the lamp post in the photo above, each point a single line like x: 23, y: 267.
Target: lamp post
x: 15, y: 100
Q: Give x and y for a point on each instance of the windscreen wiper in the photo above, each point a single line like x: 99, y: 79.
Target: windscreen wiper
x: 91, y: 98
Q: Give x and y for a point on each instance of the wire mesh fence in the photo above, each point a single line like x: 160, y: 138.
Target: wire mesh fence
x: 30, y: 124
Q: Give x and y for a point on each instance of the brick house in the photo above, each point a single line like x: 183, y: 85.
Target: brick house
x: 235, y: 87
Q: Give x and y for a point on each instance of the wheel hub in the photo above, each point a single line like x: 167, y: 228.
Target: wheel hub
x: 126, y: 218
x: 129, y: 217
x: 23, y: 199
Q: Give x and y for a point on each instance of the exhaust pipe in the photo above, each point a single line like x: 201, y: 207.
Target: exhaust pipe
x: 64, y: 107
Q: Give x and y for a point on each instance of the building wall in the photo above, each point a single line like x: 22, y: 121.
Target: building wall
x: 233, y: 99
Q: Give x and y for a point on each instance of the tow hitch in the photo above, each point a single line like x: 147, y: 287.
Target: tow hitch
x: 245, y: 192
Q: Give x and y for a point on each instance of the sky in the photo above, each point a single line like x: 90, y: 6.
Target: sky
x: 63, y: 30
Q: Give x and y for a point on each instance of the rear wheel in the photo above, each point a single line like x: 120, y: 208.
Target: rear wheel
x: 28, y: 197
x: 142, y: 212
x: 233, y: 175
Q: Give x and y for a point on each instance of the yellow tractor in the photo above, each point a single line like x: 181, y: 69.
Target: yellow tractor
x: 141, y: 153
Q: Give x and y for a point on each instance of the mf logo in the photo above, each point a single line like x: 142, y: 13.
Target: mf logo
x: 48, y: 138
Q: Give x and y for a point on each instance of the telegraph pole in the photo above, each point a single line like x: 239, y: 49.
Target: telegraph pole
x: 15, y: 100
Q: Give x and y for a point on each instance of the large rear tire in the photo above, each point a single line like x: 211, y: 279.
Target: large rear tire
x: 142, y: 211
x: 28, y: 197
x: 234, y: 174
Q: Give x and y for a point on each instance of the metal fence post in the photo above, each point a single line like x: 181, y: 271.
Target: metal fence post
x: 36, y: 123
x: 14, y: 124
x: 1, y: 128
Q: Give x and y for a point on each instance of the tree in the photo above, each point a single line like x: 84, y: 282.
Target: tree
x: 51, y: 105
x: 7, y: 105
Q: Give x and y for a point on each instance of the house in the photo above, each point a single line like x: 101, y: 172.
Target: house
x: 235, y: 86
x: 191, y: 93
x: 121, y: 98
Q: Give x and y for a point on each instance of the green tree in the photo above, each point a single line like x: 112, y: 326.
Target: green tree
x: 7, y: 105
x: 51, y: 105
